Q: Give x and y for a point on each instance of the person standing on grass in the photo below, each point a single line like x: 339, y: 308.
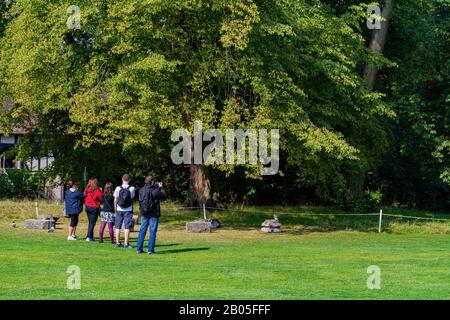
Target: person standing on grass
x: 107, y: 213
x: 150, y: 209
x: 123, y: 200
x: 73, y: 207
x: 93, y: 195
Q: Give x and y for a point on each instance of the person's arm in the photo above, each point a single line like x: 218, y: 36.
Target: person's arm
x: 159, y: 193
x: 141, y: 198
x: 99, y: 197
x: 116, y: 198
x: 163, y: 194
x: 79, y: 195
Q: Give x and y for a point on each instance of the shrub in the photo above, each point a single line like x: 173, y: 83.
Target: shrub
x: 370, y: 202
x: 19, y: 184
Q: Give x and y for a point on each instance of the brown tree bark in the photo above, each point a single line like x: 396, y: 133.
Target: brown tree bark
x: 377, y: 43
x: 199, y: 185
x: 199, y: 181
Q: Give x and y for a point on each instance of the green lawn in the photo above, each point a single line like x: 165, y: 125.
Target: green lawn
x: 316, y: 258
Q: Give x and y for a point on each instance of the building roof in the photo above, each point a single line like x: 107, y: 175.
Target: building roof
x: 19, y: 131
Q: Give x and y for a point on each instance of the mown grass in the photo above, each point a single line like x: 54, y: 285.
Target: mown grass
x: 318, y: 257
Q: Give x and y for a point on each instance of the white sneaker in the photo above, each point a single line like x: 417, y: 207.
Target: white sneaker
x: 71, y: 238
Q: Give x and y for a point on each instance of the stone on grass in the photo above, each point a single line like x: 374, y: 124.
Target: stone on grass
x: 214, y: 224
x: 270, y: 230
x: 50, y: 218
x: 38, y: 224
x: 134, y: 222
x: 272, y: 223
x: 198, y: 226
x: 271, y: 226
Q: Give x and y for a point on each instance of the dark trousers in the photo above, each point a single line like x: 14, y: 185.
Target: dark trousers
x: 92, y: 214
x: 74, y: 220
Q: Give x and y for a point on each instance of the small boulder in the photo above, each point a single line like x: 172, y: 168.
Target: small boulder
x: 134, y: 222
x: 271, y: 226
x: 270, y: 230
x: 214, y: 224
x: 49, y: 217
x: 38, y: 224
x: 198, y: 226
x: 272, y: 223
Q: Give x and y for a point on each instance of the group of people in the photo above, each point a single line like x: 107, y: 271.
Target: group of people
x: 115, y: 209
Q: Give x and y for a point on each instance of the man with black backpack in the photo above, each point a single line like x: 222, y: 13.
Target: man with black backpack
x: 150, y: 209
x: 123, y: 200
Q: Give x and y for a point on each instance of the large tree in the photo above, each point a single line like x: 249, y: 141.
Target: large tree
x: 137, y: 70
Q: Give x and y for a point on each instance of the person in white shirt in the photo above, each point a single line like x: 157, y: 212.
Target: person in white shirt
x: 123, y: 201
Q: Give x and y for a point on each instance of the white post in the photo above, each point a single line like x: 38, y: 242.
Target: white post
x: 204, y: 211
x: 381, y: 219
x: 37, y: 210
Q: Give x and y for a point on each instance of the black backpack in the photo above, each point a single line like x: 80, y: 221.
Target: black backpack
x: 146, y: 202
x: 124, y: 200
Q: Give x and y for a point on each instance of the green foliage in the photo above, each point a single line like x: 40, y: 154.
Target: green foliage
x: 107, y: 96
x: 416, y: 168
x: 138, y: 69
x: 17, y: 184
x: 369, y: 204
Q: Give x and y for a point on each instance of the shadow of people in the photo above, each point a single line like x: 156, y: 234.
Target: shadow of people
x: 168, y: 245
x: 182, y: 250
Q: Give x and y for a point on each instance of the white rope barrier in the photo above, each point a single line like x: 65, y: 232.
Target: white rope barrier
x: 308, y: 214
x: 412, y: 217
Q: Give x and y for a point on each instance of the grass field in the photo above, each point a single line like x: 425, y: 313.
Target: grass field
x: 317, y: 257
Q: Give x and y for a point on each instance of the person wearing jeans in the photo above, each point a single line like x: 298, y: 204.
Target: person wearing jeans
x: 150, y: 209
x: 92, y: 214
x: 145, y: 224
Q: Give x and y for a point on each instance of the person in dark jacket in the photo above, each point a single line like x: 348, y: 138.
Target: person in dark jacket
x: 150, y: 209
x: 107, y: 213
x: 73, y: 207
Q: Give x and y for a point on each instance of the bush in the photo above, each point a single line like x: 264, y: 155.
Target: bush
x: 369, y: 204
x: 5, y: 186
x: 19, y: 184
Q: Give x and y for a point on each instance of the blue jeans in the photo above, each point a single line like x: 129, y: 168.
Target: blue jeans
x: 145, y: 223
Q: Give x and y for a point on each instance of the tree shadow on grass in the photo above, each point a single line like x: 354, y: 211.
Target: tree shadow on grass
x: 182, y: 250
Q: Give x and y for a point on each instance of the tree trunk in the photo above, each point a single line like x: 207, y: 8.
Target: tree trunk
x: 199, y: 185
x: 356, y: 184
x: 377, y: 43
x: 357, y: 177
x: 199, y: 181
